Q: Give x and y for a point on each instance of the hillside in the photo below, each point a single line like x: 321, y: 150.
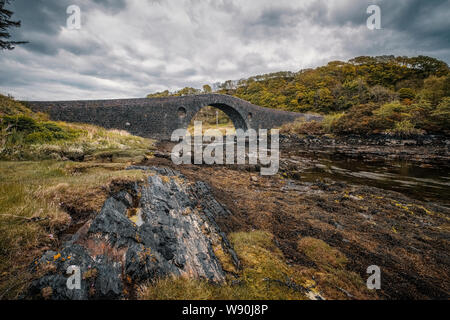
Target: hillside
x: 365, y: 95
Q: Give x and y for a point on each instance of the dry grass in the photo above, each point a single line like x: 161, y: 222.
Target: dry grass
x: 262, y: 262
x: 35, y: 138
x: 91, y: 143
x: 302, y: 127
x: 321, y: 253
x: 224, y: 129
x: 330, y: 268
x: 32, y: 198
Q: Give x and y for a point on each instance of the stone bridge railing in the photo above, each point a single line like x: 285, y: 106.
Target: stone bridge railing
x: 159, y: 117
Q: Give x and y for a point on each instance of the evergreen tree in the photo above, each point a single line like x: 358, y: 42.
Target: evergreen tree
x: 5, y: 24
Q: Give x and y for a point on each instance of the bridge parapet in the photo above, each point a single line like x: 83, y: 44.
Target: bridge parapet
x: 159, y: 117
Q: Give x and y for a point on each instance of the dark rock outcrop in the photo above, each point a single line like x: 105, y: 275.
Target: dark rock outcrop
x: 166, y: 226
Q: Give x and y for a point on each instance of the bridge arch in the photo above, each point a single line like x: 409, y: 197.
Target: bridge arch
x: 240, y: 121
x: 159, y: 117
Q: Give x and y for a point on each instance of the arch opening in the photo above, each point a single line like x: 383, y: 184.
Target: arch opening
x: 218, y: 116
x: 181, y: 113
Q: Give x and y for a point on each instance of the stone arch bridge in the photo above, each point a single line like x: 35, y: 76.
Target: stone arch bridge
x: 159, y: 117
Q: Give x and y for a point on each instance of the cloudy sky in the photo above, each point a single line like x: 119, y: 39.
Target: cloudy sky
x: 129, y: 48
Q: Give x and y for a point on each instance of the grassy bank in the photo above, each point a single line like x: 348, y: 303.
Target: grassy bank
x: 52, y: 173
x: 35, y: 201
x: 25, y: 135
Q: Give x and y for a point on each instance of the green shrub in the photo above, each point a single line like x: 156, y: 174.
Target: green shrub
x: 19, y: 123
x: 404, y: 128
x: 51, y: 126
x: 330, y: 121
x: 389, y: 114
x: 27, y: 130
x: 39, y: 137
x: 358, y: 120
x: 435, y: 89
x: 302, y: 127
x: 389, y: 110
x: 406, y: 93
x: 441, y: 115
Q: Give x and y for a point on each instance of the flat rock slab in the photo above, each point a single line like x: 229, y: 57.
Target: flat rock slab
x: 163, y: 227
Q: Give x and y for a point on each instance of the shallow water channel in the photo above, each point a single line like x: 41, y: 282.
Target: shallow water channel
x: 431, y: 183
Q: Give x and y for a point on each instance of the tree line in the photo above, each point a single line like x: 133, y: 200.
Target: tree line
x: 363, y: 95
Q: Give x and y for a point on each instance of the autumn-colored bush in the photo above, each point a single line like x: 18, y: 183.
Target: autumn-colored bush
x: 404, y: 128
x: 357, y: 120
x: 302, y: 127
x: 402, y: 88
x: 406, y: 93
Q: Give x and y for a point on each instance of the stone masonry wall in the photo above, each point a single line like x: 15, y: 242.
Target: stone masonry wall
x: 159, y: 117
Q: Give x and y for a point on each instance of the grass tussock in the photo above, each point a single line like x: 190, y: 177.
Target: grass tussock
x: 34, y: 200
x: 10, y: 107
x: 302, y: 127
x: 261, y: 277
x: 333, y: 279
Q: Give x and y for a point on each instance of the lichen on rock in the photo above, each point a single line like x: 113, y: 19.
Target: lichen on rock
x: 176, y: 235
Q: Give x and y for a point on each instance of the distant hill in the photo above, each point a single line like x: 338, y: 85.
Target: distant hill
x: 364, y: 95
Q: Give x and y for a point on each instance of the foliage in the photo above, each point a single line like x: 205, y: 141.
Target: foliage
x: 338, y: 86
x: 402, y: 88
x: 329, y: 122
x: 435, y: 89
x: 302, y: 127
x: 5, y: 24
x: 404, y: 128
x: 406, y: 93
x: 358, y: 120
x: 32, y: 131
x: 441, y: 114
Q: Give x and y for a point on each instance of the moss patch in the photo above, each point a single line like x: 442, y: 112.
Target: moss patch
x: 264, y: 275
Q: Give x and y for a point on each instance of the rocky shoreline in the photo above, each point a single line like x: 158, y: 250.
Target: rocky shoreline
x: 406, y: 237
x: 177, y: 223
x: 424, y: 149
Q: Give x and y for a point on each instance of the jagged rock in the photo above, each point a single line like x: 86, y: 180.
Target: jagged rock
x: 165, y: 226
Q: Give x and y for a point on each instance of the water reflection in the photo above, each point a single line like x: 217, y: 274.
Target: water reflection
x: 429, y: 183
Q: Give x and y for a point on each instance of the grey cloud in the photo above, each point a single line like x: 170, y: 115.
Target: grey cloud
x: 42, y: 21
x: 136, y: 47
x: 424, y: 22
